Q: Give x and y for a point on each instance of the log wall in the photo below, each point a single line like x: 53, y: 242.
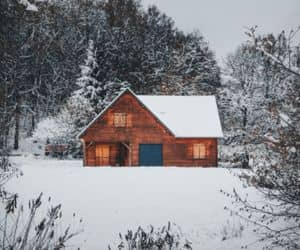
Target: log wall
x: 142, y: 128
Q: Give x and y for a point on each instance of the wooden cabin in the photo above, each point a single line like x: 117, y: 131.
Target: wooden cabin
x: 136, y: 130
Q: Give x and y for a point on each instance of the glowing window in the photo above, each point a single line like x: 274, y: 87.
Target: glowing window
x: 102, y: 154
x: 120, y: 119
x: 200, y: 151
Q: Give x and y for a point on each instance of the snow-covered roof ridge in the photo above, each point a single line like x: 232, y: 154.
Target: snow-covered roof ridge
x: 185, y: 116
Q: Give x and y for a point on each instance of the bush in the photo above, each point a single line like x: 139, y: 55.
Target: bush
x: 167, y: 238
x: 27, y: 230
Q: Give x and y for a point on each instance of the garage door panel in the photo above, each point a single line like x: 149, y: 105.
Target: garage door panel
x: 150, y: 155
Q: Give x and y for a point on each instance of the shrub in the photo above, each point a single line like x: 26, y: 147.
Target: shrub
x: 168, y: 237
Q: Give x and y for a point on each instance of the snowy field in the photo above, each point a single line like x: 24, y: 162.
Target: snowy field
x: 112, y: 200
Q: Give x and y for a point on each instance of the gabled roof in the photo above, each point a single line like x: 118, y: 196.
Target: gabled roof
x: 183, y: 116
x: 112, y: 102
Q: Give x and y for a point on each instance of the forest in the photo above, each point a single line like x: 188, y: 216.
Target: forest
x: 53, y: 55
x: 62, y: 62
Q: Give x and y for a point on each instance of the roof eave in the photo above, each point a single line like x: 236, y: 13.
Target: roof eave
x: 199, y: 137
x: 103, y: 111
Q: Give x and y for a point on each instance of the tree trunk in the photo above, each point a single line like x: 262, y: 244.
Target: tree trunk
x: 32, y: 123
x: 245, y: 119
x: 4, y: 119
x: 17, y: 123
x: 267, y: 90
x: 33, y: 120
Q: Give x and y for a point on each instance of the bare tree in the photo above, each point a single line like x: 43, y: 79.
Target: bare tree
x: 277, y: 176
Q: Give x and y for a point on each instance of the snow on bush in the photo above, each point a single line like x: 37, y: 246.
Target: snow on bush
x: 29, y: 6
x: 48, y: 128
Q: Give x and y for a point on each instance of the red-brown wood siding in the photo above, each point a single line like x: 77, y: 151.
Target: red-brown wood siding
x: 142, y: 128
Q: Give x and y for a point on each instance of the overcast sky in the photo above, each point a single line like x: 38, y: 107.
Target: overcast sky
x: 223, y: 22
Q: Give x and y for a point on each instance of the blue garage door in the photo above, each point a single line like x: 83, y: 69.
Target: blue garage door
x: 150, y: 155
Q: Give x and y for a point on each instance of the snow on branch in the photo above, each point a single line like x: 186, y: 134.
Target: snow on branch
x: 279, y: 50
x: 29, y: 6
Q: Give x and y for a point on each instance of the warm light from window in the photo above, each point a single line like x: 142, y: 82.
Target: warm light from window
x: 120, y: 119
x: 102, y: 151
x: 200, y: 151
x: 102, y: 154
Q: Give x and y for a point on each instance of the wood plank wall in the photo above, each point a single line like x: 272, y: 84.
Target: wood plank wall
x: 142, y: 127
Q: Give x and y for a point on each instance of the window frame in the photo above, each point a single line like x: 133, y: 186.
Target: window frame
x: 120, y: 120
x: 197, y: 153
x: 102, y: 154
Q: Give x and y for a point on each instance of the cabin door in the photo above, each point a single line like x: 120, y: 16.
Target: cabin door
x: 150, y: 155
x: 102, y: 155
x: 122, y: 155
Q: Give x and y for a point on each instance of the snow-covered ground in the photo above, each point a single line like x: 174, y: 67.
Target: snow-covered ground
x: 112, y: 200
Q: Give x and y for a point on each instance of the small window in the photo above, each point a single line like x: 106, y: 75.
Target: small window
x: 120, y: 119
x: 200, y: 151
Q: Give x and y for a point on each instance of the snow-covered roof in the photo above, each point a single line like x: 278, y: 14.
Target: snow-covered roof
x: 184, y: 116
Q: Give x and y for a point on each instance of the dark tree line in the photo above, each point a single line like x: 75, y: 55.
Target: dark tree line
x: 41, y: 52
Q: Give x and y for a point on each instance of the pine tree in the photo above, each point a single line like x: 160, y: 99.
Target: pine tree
x: 96, y: 94
x: 110, y: 90
x: 89, y: 87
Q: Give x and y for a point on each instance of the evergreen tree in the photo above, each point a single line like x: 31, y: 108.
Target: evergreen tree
x: 89, y: 87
